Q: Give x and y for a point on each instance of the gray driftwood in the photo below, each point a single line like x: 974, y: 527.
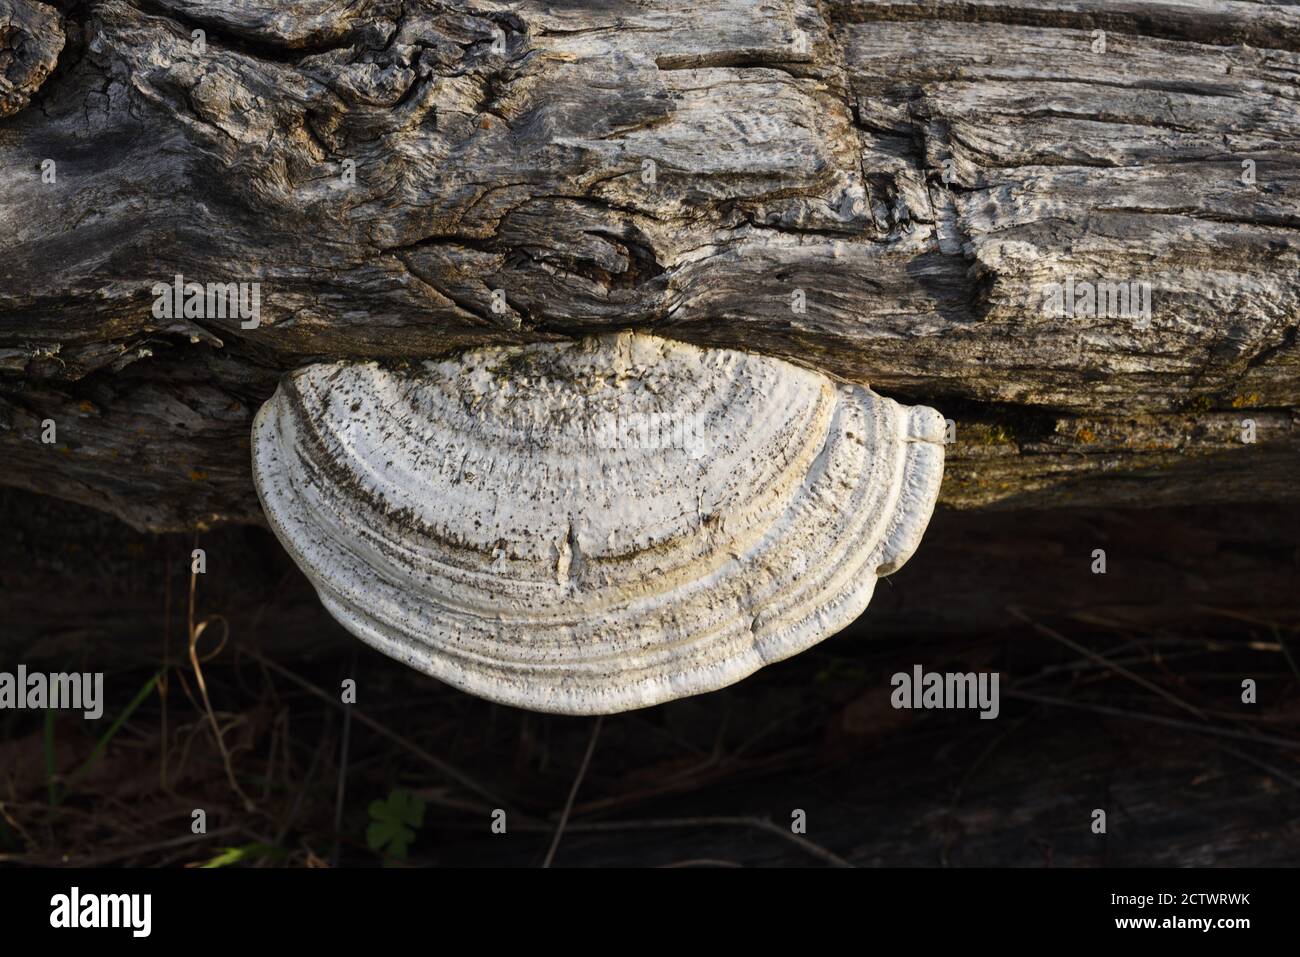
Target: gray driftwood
x: 920, y: 170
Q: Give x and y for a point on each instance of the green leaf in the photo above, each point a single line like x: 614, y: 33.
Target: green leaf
x: 393, y: 823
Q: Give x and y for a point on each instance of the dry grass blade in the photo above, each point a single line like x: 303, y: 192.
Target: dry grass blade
x: 379, y: 728
x: 573, y: 792
x: 195, y: 631
x: 762, y: 824
x: 1107, y: 663
x: 1157, y: 719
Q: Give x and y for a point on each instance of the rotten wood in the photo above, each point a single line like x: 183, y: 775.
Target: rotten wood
x: 922, y: 172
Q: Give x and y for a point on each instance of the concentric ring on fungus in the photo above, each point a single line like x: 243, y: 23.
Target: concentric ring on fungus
x: 594, y: 526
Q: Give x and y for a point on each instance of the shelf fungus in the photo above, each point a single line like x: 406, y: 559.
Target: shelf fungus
x: 595, y: 526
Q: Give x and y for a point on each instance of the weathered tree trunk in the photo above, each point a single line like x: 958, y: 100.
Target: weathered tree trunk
x: 885, y: 190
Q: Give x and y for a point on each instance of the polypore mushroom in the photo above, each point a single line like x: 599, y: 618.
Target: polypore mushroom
x: 592, y: 527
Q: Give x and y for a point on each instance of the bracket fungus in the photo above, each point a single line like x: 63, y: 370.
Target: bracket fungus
x: 591, y: 527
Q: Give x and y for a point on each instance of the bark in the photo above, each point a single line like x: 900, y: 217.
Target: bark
x: 921, y: 172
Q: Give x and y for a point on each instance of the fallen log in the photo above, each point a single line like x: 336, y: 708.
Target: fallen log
x: 944, y: 200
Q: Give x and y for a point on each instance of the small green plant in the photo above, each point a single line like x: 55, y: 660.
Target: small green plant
x: 231, y: 856
x: 58, y: 790
x: 393, y: 823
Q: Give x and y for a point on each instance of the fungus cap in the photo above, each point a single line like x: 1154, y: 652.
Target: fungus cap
x: 596, y: 526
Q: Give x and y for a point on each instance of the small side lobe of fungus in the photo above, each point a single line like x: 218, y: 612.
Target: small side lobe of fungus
x: 592, y: 527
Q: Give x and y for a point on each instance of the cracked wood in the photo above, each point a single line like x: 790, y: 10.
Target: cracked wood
x: 920, y: 170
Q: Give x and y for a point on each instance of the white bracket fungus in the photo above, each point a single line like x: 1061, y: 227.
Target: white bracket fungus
x: 595, y: 526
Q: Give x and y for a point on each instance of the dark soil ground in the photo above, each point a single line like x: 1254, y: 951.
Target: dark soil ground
x: 1120, y: 692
